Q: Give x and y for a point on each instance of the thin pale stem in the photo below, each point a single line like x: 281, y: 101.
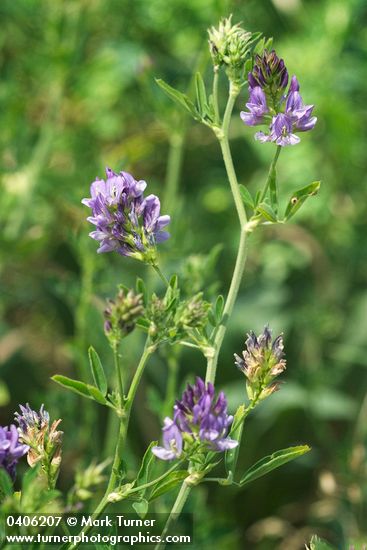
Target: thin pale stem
x: 175, y: 512
x: 125, y: 418
x: 228, y: 308
x: 116, y: 359
x: 173, y: 366
x: 271, y: 170
x: 160, y: 274
x: 215, y: 95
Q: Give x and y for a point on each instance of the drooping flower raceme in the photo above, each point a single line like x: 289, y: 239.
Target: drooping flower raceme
x: 262, y: 360
x: 11, y: 449
x: 284, y: 113
x: 125, y: 220
x: 200, y: 422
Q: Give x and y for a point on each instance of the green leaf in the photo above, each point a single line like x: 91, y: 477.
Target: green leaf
x: 173, y: 282
x: 6, y: 484
x: 96, y: 394
x: 267, y: 212
x: 211, y: 318
x: 246, y: 196
x: 257, y: 197
x: 98, y: 373
x: 143, y: 323
x: 30, y: 478
x: 299, y: 197
x: 219, y: 307
x: 318, y: 544
x: 169, y: 483
x: 179, y: 98
x: 273, y: 190
x: 201, y: 99
x: 4, y: 394
x: 141, y: 508
x: 235, y: 433
x: 146, y: 463
x: 141, y: 289
x: 273, y: 461
x: 268, y: 43
x: 74, y: 385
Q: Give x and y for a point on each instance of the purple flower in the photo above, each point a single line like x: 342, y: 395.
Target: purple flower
x: 125, y: 220
x: 172, y: 442
x: 288, y: 115
x: 299, y: 113
x: 280, y: 131
x: 257, y: 108
x: 200, y: 420
x: 28, y: 418
x: 11, y: 450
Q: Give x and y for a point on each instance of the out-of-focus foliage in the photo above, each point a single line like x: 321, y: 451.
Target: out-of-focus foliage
x: 77, y: 92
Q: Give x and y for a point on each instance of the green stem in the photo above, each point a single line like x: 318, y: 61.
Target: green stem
x: 242, y: 249
x: 116, y: 358
x: 175, y: 512
x: 271, y: 170
x: 173, y: 366
x: 124, y: 421
x: 228, y: 308
x: 160, y: 274
x: 215, y: 95
x: 158, y: 479
x: 232, y: 178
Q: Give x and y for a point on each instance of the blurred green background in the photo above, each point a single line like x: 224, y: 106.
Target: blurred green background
x: 77, y: 93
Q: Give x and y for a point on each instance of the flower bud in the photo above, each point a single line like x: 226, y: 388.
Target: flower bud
x: 229, y: 46
x: 121, y: 315
x: 193, y: 313
x: 261, y: 362
x: 270, y: 73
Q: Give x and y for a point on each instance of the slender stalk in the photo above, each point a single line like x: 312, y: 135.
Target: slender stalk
x: 242, y: 248
x: 175, y: 512
x: 160, y: 274
x: 215, y: 95
x: 228, y: 308
x: 125, y: 418
x: 116, y: 359
x: 271, y: 170
x: 173, y: 366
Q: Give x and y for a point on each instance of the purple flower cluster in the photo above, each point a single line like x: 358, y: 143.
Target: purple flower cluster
x: 11, y: 450
x: 125, y: 220
x: 28, y: 418
x: 285, y: 114
x: 200, y: 420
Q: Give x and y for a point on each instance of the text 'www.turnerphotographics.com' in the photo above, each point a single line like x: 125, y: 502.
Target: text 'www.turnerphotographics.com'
x: 78, y: 529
